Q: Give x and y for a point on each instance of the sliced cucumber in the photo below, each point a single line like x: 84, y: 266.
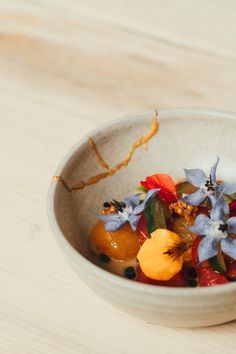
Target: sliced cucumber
x: 157, y: 214
x: 149, y: 218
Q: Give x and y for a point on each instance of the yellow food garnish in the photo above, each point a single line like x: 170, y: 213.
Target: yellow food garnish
x: 182, y: 209
x: 162, y: 256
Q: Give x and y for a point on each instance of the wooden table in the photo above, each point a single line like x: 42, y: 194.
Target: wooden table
x: 65, y: 68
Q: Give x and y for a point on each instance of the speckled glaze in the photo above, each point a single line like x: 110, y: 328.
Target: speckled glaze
x: 186, y: 138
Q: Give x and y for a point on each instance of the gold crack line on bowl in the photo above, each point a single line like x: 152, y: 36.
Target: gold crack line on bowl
x: 94, y: 179
x: 99, y: 157
x: 60, y: 179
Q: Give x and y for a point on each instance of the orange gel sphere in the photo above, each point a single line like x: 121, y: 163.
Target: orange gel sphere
x: 122, y: 245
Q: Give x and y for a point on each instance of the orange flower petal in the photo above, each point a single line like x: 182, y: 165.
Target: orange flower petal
x: 162, y: 180
x: 153, y: 259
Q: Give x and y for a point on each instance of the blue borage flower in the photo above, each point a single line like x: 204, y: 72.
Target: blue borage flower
x: 209, y: 187
x: 129, y: 210
x: 215, y: 231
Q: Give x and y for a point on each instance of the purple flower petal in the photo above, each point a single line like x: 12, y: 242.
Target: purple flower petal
x: 194, y: 198
x: 109, y: 217
x: 213, y: 170
x: 228, y: 246
x: 220, y: 208
x: 150, y: 194
x: 134, y: 220
x: 208, y: 248
x: 132, y: 200
x: 114, y: 225
x: 229, y: 188
x: 195, y: 176
x: 231, y: 222
x: 113, y: 222
x: 213, y: 198
x: 226, y: 207
x: 201, y: 226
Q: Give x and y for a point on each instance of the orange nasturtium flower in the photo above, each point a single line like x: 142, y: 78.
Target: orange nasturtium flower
x: 162, y: 256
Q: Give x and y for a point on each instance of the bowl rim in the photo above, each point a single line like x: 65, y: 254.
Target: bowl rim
x: 105, y: 275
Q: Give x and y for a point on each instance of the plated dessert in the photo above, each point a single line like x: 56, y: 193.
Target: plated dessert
x: 179, y: 234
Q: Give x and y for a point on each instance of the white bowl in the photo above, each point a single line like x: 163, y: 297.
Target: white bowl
x: 186, y: 138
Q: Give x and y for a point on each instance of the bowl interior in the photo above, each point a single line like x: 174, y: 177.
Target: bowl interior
x: 186, y: 138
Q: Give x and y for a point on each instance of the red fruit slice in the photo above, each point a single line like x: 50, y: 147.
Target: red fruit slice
x: 231, y: 269
x: 141, y: 277
x: 207, y: 277
x: 142, y: 229
x: 179, y: 280
x: 232, y: 209
x: 195, y: 253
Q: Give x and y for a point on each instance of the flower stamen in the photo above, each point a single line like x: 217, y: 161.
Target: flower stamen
x: 210, y: 186
x: 177, y: 249
x: 223, y: 227
x: 119, y: 206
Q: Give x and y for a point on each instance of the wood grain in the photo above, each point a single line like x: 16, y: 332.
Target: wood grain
x: 63, y: 71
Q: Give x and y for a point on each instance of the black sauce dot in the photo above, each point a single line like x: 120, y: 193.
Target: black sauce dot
x: 192, y: 273
x: 130, y: 273
x: 192, y: 283
x: 104, y: 258
x: 106, y: 205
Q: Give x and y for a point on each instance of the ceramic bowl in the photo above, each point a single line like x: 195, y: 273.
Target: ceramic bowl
x: 186, y: 138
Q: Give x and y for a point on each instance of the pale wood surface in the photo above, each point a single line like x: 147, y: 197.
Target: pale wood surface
x: 65, y: 68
